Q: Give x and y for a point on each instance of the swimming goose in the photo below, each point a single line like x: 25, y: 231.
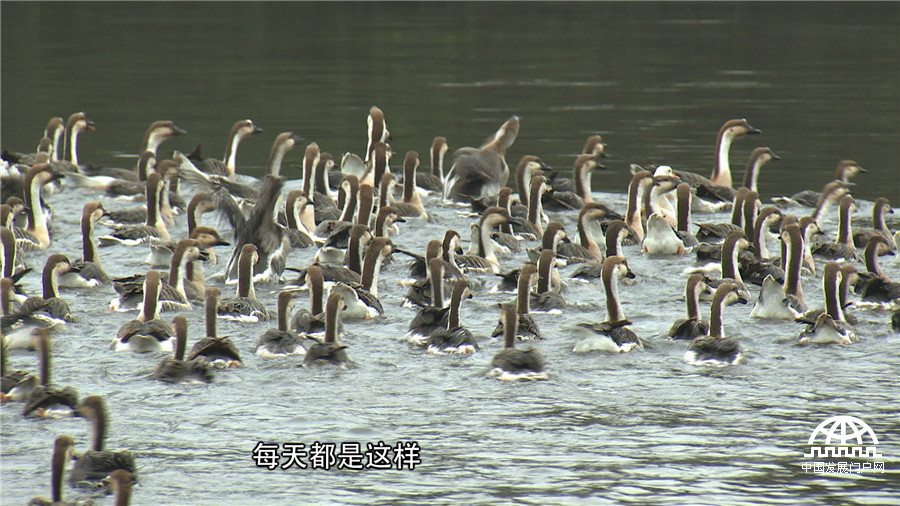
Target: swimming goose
x: 147, y: 332
x: 226, y: 167
x: 173, y: 292
x: 36, y: 235
x: 526, y: 169
x: 734, y: 244
x: 590, y: 231
x: 755, y: 266
x: 535, y: 207
x: 88, y: 271
x: 758, y: 158
x: 244, y: 307
x: 640, y: 181
x: 411, y: 205
x: 479, y: 171
x: 716, y: 349
x: 454, y: 338
x: 843, y: 280
x: 11, y: 264
x: 717, y: 231
x: 133, y: 235
x: 434, y: 182
x: 379, y: 166
x: 46, y: 400
x: 527, y: 329
x: 731, y: 131
x: 784, y: 302
x: 567, y: 194
x: 842, y: 248
x: 831, y: 195
x: 655, y: 198
x: 361, y: 300
x: 511, y: 364
x: 261, y: 230
x: 347, y: 200
x: 311, y: 156
x: 874, y: 285
x: 96, y: 463
x: 845, y: 170
x: 312, y: 320
x: 376, y: 132
x: 552, y: 239
x: 281, y: 341
x: 329, y: 351
x: 120, y: 482
x: 157, y: 133
x: 683, y: 214
x: 434, y: 315
x: 77, y: 123
x: 175, y: 369
x: 693, y: 326
x: 15, y: 386
x: 661, y: 239
x: 299, y: 214
x: 63, y: 451
x: 487, y: 262
x: 386, y: 220
x: 218, y: 352
x: 616, y: 232
x: 615, y: 335
x: 49, y: 307
x: 54, y: 132
x: 830, y: 327
x: 547, y: 298
x: 879, y: 208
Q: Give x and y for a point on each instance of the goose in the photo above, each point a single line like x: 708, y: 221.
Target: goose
x: 46, y: 400
x: 63, y: 451
x: 175, y: 369
x: 311, y: 157
x: 479, y: 171
x: 78, y: 122
x: 386, y: 220
x: 49, y: 307
x: 227, y: 166
x: 615, y: 335
x: 874, y: 285
x: 455, y: 338
x: 589, y: 230
x: 639, y: 182
x: 716, y: 232
x: 716, y: 349
x: 879, y: 208
x: 810, y: 230
x: 756, y: 266
x: 831, y: 326
x: 36, y: 235
x: 528, y: 167
x: 329, y: 351
x: 511, y: 364
x: 777, y: 302
x: 734, y: 244
x: 432, y: 316
x: 53, y: 132
x: 281, y: 341
x: 574, y: 193
x: 323, y: 196
x: 379, y: 166
x: 376, y: 132
x: 194, y: 281
x: 311, y: 321
x: 411, y: 205
x: 218, y: 352
x: 147, y: 332
x: 616, y: 233
x: 842, y: 276
x: 661, y: 239
x: 845, y: 170
x: 554, y: 237
x: 434, y: 182
x: 547, y: 299
x: 244, y: 307
x: 120, y: 482
x: 758, y: 158
x: 11, y: 265
x: 655, y: 198
x: 361, y: 300
x: 527, y: 329
x: 831, y: 195
x: 154, y: 226
x: 88, y: 271
x: 487, y: 262
x: 173, y: 292
x: 96, y: 463
x: 842, y: 248
x: 157, y: 133
x: 16, y: 386
x: 731, y: 131
x: 347, y: 200
x: 693, y: 326
x: 299, y: 219
x: 535, y: 207
x: 683, y: 212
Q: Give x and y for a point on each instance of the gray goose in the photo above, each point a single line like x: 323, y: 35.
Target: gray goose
x: 511, y: 364
x: 479, y: 171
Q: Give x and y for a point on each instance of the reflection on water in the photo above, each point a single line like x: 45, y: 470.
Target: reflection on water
x: 656, y: 80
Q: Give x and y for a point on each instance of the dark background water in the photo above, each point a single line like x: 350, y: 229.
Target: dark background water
x: 655, y: 79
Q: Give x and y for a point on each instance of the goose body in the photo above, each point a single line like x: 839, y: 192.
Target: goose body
x: 715, y: 349
x: 613, y: 335
x: 511, y: 364
x: 479, y: 171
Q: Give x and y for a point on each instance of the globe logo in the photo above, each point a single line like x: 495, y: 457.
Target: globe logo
x: 844, y: 431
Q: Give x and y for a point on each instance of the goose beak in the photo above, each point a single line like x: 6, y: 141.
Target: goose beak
x: 204, y: 256
x: 629, y: 274
x: 178, y: 131
x: 752, y: 130
x: 256, y: 130
x: 774, y: 156
x: 90, y: 126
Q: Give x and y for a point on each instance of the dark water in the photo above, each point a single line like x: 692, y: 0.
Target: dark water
x: 656, y: 80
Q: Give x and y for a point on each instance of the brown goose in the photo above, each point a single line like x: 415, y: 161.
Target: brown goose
x: 330, y: 351
x: 845, y: 170
x: 731, y: 131
x: 716, y: 349
x: 281, y: 341
x: 88, y: 271
x: 758, y: 158
x: 479, y: 171
x: 244, y: 306
x: 511, y: 364
x: 830, y: 327
x: 693, y: 326
x: 843, y: 247
x: 154, y: 226
x: 46, y: 400
x: 175, y: 369
x: 527, y: 328
x: 218, y: 352
x: 49, y: 307
x: 614, y: 334
x: 861, y: 237
x: 227, y: 166
x: 63, y: 451
x: 96, y: 463
x: 147, y: 332
x: 36, y: 235
x: 376, y: 132
x: 455, y: 338
x: 434, y: 182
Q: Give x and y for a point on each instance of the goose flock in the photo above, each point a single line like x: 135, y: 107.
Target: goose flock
x: 330, y: 233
